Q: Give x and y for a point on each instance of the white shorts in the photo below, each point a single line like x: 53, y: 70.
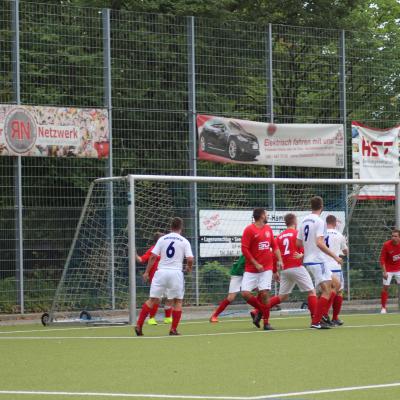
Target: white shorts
x: 295, y: 276
x: 235, y: 284
x: 320, y: 272
x: 339, y: 274
x: 257, y: 280
x: 391, y: 275
x: 168, y: 281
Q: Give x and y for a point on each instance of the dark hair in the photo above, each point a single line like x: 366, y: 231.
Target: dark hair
x: 396, y: 231
x: 316, y: 203
x: 157, y: 236
x: 176, y: 224
x: 257, y: 212
x: 331, y: 219
x: 289, y: 219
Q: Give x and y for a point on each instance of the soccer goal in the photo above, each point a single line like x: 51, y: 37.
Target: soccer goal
x: 101, y: 281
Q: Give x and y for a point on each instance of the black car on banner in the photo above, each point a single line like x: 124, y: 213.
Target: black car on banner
x: 230, y: 139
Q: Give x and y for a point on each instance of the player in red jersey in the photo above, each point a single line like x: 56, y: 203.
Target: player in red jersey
x: 293, y: 272
x: 144, y: 259
x: 258, y: 246
x: 390, y: 263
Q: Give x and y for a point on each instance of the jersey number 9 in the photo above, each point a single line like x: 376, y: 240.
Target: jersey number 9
x: 306, y: 232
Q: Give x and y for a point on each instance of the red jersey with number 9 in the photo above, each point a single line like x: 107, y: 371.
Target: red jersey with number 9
x: 287, y: 245
x: 258, y: 243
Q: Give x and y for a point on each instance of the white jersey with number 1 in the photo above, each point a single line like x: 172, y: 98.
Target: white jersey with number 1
x: 336, y: 243
x: 311, y: 228
x: 172, y: 249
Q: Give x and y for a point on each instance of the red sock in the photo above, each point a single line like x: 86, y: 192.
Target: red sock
x: 176, y: 317
x: 330, y: 303
x: 144, y: 312
x: 153, y: 311
x: 384, y: 298
x: 168, y: 312
x: 224, y: 303
x: 260, y: 297
x: 253, y: 301
x: 337, y: 306
x: 322, y: 305
x: 312, y: 304
x: 273, y: 301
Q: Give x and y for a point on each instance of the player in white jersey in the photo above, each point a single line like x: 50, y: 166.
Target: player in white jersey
x: 336, y: 243
x: 172, y: 249
x: 311, y: 236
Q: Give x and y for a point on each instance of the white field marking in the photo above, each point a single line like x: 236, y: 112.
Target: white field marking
x: 207, y: 322
x: 184, y: 336
x: 205, y: 397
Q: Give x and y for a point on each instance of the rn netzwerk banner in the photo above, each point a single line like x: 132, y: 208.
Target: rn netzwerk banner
x: 221, y: 230
x: 305, y: 145
x: 375, y: 156
x: 53, y: 132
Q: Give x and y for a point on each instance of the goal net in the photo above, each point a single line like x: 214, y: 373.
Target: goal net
x: 102, y: 283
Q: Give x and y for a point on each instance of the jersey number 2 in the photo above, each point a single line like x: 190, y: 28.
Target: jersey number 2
x: 171, y: 250
x: 286, y: 243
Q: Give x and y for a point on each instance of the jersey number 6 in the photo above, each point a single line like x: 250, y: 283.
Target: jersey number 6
x: 171, y: 250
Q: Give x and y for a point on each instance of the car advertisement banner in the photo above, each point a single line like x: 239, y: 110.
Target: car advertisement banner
x: 228, y: 140
x: 221, y: 230
x: 53, y: 132
x: 375, y: 156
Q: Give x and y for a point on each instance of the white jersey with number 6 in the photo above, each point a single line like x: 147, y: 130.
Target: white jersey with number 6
x: 311, y: 228
x: 336, y: 243
x: 172, y: 249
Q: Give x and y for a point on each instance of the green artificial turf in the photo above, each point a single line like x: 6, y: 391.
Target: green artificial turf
x: 231, y: 358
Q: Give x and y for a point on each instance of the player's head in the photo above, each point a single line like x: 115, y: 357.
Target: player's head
x: 260, y: 215
x: 290, y: 220
x: 317, y: 204
x: 395, y: 236
x: 176, y: 224
x: 157, y: 236
x: 331, y: 221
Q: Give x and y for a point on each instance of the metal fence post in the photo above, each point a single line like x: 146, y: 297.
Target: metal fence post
x: 270, y: 100
x: 192, y: 145
x: 108, y: 105
x: 132, y: 250
x: 18, y: 163
x: 343, y: 118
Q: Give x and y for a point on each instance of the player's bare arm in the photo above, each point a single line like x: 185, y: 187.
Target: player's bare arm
x: 189, y: 264
x: 150, y: 264
x: 384, y: 272
x: 299, y: 243
x: 325, y: 249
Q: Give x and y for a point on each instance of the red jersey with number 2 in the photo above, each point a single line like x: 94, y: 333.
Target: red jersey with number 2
x: 145, y: 258
x: 258, y: 243
x: 287, y: 245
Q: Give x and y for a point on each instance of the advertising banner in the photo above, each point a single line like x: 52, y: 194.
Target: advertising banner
x: 228, y: 140
x: 37, y: 131
x: 221, y: 230
x: 375, y: 156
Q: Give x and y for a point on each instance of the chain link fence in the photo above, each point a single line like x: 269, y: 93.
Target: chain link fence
x: 164, y: 70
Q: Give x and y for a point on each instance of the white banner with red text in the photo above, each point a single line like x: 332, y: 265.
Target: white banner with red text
x: 38, y: 131
x: 221, y: 230
x: 375, y: 156
x: 229, y: 140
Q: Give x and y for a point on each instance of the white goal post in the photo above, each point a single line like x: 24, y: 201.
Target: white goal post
x: 295, y: 195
